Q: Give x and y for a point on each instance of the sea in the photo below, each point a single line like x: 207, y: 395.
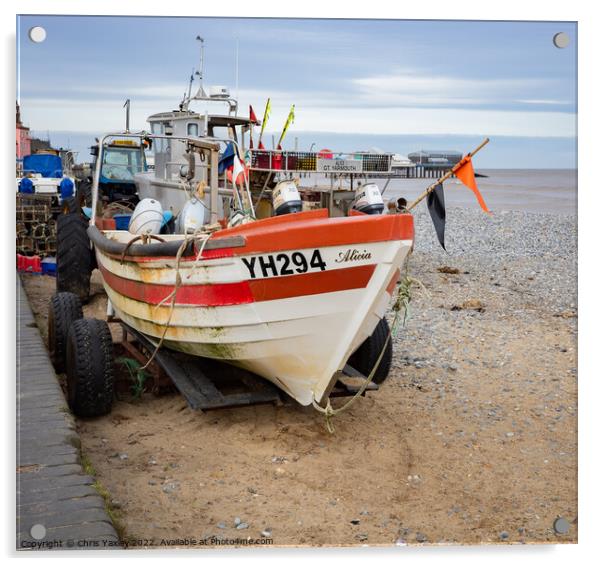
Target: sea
x: 532, y: 190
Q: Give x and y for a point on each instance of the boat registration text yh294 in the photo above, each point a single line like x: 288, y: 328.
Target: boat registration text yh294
x: 291, y: 263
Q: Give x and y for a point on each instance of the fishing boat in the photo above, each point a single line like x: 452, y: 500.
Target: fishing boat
x: 289, y: 298
x: 285, y: 281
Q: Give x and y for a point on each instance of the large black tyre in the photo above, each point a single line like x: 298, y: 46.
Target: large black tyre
x: 89, y: 362
x: 64, y: 309
x: 366, y: 356
x: 71, y: 206
x: 84, y: 192
x: 73, y: 256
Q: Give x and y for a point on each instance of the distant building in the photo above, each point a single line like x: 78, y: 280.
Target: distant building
x: 38, y: 144
x: 22, y: 136
x: 435, y: 158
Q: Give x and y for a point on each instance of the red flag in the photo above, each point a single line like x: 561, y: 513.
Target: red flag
x: 465, y: 172
x: 252, y: 116
x: 237, y: 172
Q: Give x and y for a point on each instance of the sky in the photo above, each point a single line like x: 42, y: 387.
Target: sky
x: 399, y: 86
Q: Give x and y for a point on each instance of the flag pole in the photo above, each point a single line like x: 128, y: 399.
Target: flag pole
x: 446, y: 176
x: 263, y: 122
x: 288, y: 122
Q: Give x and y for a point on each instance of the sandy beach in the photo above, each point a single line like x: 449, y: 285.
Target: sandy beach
x: 473, y: 438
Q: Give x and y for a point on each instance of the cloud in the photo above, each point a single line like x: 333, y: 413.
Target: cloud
x: 415, y: 88
x: 545, y: 101
x: 400, y: 88
x: 100, y: 115
x: 433, y: 121
x: 406, y: 101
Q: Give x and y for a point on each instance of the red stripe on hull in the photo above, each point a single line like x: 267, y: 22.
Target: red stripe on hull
x: 221, y: 294
x: 316, y: 283
x: 244, y: 292
x: 393, y: 282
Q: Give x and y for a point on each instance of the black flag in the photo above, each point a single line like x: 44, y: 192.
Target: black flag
x: 435, y: 202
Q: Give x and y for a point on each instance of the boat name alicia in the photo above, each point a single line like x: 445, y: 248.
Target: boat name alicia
x: 276, y: 265
x: 353, y: 255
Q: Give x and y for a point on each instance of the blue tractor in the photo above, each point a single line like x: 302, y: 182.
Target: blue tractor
x: 43, y: 178
x: 122, y: 160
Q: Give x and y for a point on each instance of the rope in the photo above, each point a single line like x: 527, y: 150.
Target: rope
x: 173, y: 294
x: 122, y: 206
x: 145, y: 239
x: 402, y: 301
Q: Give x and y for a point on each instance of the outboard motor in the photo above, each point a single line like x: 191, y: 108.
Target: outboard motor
x: 237, y: 218
x: 286, y: 198
x: 368, y: 199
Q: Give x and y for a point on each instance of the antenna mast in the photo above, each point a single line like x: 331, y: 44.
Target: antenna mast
x: 237, y: 72
x: 200, y: 93
x: 201, y: 70
x: 127, y: 115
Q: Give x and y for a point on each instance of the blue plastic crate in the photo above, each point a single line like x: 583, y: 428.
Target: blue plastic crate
x: 49, y: 266
x: 122, y: 221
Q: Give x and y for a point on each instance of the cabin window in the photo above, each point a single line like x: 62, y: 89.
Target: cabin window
x: 160, y: 145
x: 223, y: 132
x: 161, y: 148
x: 122, y: 163
x: 193, y: 130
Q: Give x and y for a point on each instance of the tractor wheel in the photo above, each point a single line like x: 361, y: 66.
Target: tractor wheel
x: 65, y: 308
x: 366, y: 356
x: 73, y: 256
x: 89, y: 362
x: 84, y: 193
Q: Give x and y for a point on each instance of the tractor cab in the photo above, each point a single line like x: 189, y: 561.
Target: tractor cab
x: 122, y: 159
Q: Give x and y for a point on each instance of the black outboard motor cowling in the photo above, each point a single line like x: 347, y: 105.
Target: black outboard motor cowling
x: 286, y: 198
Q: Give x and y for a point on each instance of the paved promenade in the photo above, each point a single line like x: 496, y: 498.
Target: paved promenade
x: 57, y: 505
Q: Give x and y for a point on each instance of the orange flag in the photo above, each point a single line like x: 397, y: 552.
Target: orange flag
x: 464, y: 171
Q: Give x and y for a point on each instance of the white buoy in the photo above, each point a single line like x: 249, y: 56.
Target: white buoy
x: 193, y: 216
x: 147, y: 217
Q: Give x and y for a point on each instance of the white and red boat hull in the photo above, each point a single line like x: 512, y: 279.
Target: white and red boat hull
x: 291, y: 304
